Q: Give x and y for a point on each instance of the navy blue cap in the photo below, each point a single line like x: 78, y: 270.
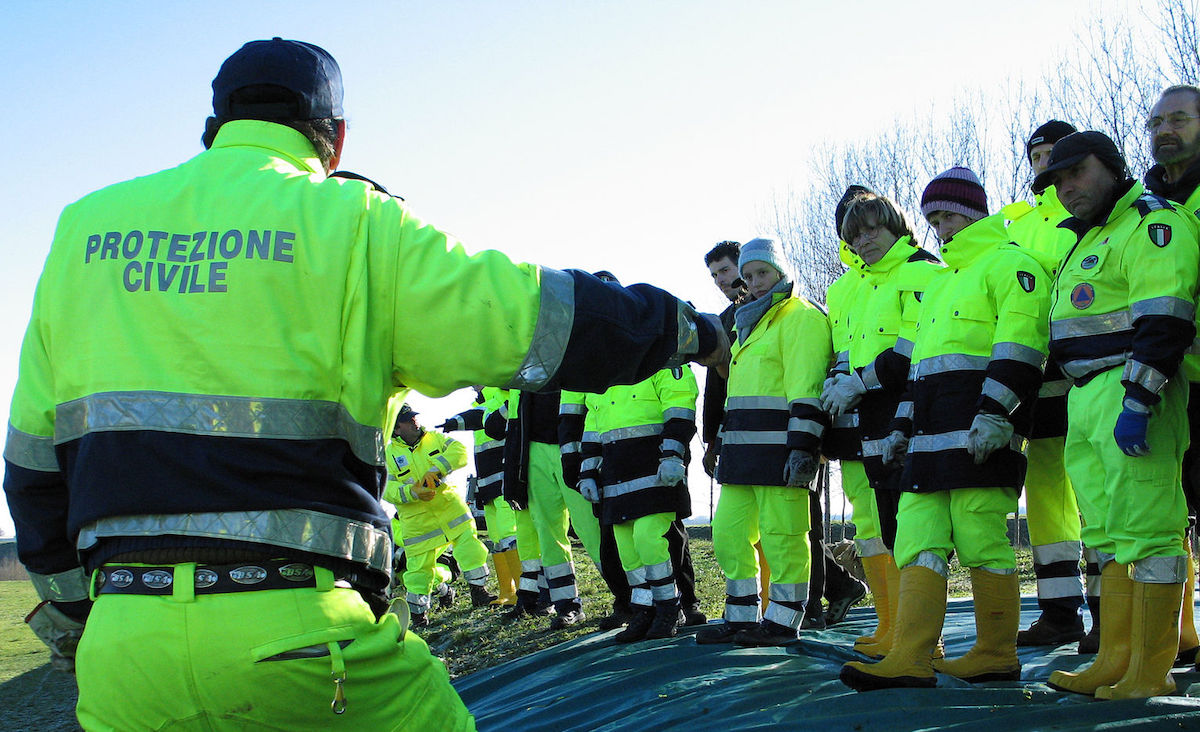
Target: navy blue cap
x: 308, y: 71
x: 406, y: 414
x: 1073, y: 149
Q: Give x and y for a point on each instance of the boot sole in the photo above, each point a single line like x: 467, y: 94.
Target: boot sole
x: 860, y: 681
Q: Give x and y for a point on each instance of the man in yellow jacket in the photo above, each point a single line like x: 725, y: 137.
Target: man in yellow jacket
x: 196, y: 434
x: 432, y: 515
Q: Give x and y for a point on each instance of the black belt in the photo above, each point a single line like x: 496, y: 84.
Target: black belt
x: 209, y: 579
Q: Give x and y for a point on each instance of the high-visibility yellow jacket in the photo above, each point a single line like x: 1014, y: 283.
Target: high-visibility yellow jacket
x: 489, y: 453
x: 1037, y: 228
x: 1126, y: 296
x: 979, y: 346
x: 425, y: 521
x: 774, y: 393
x: 636, y: 427
x: 866, y: 309
x: 1185, y: 191
x: 211, y: 348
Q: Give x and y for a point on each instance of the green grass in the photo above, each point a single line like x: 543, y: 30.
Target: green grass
x: 20, y: 650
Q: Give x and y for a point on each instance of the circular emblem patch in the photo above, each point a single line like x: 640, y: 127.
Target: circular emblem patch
x: 296, y: 572
x: 248, y: 575
x: 1089, y: 261
x: 1083, y: 296
x: 205, y: 578
x: 121, y: 578
x: 157, y: 579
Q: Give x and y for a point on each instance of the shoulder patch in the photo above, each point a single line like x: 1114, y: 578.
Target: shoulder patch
x: 677, y: 372
x: 355, y: 176
x: 1160, y: 234
x: 1148, y: 202
x: 1026, y: 280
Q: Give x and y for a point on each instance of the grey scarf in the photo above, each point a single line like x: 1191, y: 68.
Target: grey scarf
x: 748, y: 315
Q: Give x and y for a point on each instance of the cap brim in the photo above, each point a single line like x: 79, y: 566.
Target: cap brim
x: 1045, y: 179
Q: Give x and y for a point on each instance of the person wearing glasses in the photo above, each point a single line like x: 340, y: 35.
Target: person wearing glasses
x: 1174, y: 129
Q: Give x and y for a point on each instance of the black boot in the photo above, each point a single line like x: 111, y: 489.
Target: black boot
x: 722, y: 632
x: 445, y: 595
x: 621, y: 615
x: 643, y: 618
x: 767, y: 633
x: 480, y: 597
x: 666, y: 620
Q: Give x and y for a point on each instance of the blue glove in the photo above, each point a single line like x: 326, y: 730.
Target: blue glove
x: 1130, y: 432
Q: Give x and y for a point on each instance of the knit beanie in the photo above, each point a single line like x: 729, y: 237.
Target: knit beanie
x: 839, y: 213
x: 763, y: 250
x: 957, y: 191
x: 1048, y: 134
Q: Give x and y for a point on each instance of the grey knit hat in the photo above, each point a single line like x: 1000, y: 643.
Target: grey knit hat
x: 763, y: 250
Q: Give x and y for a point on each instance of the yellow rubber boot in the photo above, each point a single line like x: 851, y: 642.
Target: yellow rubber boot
x: 997, y: 619
x: 764, y: 576
x: 883, y: 577
x: 922, y: 601
x: 1155, y: 642
x: 1116, y: 607
x: 506, y: 581
x: 1189, y: 643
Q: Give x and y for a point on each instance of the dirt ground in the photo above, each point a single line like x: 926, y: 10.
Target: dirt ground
x: 39, y: 700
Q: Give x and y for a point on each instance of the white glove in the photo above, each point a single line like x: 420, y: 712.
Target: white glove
x: 671, y: 471
x: 989, y: 433
x: 59, y: 632
x: 894, y: 447
x: 800, y: 469
x: 589, y: 490
x: 843, y: 394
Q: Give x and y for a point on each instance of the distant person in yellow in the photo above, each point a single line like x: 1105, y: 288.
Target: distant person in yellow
x: 431, y: 514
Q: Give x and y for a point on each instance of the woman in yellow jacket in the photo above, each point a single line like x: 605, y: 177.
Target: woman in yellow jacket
x: 769, y: 451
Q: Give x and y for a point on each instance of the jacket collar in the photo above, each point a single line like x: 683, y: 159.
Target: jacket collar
x: 1179, y: 190
x: 897, y: 255
x: 978, y: 237
x: 278, y: 139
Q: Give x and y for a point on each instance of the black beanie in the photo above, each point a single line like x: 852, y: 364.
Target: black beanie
x: 1048, y: 134
x: 839, y: 213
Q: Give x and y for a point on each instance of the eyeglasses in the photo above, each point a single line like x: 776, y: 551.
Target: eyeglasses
x: 1173, y: 121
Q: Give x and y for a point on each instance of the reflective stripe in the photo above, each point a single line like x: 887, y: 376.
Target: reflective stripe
x: 414, y: 540
x: 904, y: 347
x: 873, y: 448
x: 446, y: 469
x: 955, y: 440
x: 749, y: 437
x: 998, y: 571
x: 570, y: 448
x: 418, y: 603
x: 950, y: 362
x: 641, y: 596
x: 789, y: 592
x: 843, y: 359
x: 1055, y: 587
x: 806, y: 426
x: 1146, y: 376
x: 679, y: 413
x: 205, y: 414
x: 1159, y: 570
x: 557, y: 571
x: 1002, y: 394
x: 756, y: 402
x: 309, y: 531
x: 741, y: 613
x: 872, y: 547
x: 487, y: 445
x: 531, y: 566
x: 870, y: 379
x: 1090, y: 325
x: 630, y: 433
x: 631, y: 486
x: 591, y: 436
x: 1084, y: 366
x: 741, y: 588
x: 1017, y: 352
x: 592, y: 463
x: 783, y: 615
x: 459, y: 520
x: 1056, y: 388
x: 1059, y: 551
x: 904, y: 410
x: 30, y: 451
x: 659, y: 571
x: 566, y: 592
x: 674, y: 446
x: 478, y: 574
x: 69, y: 586
x: 570, y: 408
x: 814, y: 403
x: 843, y: 421
x: 488, y: 480
x: 664, y: 593
x: 1175, y: 307
x: 556, y: 314
x: 929, y: 560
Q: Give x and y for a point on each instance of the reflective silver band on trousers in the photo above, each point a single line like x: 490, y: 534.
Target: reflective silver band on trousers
x: 1146, y: 376
x: 929, y: 560
x: 947, y: 362
x: 679, y: 413
x: 211, y: 415
x: 629, y: 433
x: 68, y: 586
x: 300, y: 529
x: 1159, y: 570
x: 1059, y: 551
x: 955, y: 440
x: 556, y: 313
x: 30, y: 451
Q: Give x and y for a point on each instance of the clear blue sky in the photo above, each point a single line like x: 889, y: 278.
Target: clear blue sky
x: 625, y: 135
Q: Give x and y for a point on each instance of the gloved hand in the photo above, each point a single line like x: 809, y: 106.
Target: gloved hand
x: 589, y: 490
x: 894, y: 447
x: 989, y: 433
x: 671, y: 471
x: 843, y: 394
x: 450, y: 425
x: 429, y: 483
x: 59, y: 632
x: 800, y: 469
x: 709, y: 461
x: 1130, y: 432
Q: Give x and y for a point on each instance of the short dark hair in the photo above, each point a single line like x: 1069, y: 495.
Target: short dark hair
x: 322, y: 133
x: 730, y: 249
x: 1184, y: 89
